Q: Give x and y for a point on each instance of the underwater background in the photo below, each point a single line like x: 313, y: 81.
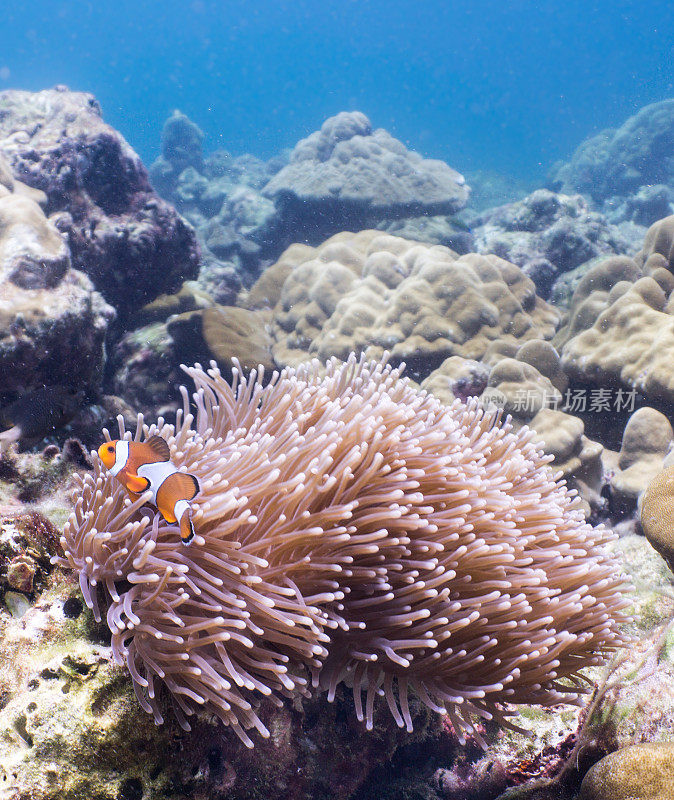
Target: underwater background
x: 426, y: 489
x: 509, y: 87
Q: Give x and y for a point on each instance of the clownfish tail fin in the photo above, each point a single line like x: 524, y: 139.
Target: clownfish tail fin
x: 186, y: 527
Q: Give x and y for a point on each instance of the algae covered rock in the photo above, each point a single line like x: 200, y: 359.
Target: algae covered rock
x: 640, y: 772
x: 71, y: 728
x: 145, y: 367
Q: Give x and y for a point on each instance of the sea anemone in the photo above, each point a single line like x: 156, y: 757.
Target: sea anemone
x: 350, y: 528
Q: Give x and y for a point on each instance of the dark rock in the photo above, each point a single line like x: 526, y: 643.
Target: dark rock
x: 131, y: 243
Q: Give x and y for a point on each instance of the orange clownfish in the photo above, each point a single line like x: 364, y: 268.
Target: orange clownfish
x: 140, y: 466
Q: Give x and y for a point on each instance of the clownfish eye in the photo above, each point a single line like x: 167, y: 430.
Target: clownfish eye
x: 111, y: 448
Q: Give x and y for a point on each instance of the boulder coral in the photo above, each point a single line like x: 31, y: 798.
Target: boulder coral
x: 348, y: 176
x: 657, y: 513
x: 350, y: 529
x: 372, y: 292
x: 620, y: 329
x: 640, y: 772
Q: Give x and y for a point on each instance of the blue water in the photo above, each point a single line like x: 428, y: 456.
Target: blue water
x: 507, y: 86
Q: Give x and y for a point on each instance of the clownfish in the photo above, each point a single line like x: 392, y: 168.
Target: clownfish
x: 140, y: 466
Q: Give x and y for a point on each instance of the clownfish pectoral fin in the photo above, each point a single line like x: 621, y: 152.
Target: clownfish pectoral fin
x: 159, y: 447
x: 186, y: 528
x: 136, y: 484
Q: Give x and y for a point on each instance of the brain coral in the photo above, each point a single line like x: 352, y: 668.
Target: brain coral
x: 350, y: 528
x: 371, y: 291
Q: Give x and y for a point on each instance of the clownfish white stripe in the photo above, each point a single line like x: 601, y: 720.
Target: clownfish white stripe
x: 180, y: 508
x: 121, y: 457
x: 156, y: 473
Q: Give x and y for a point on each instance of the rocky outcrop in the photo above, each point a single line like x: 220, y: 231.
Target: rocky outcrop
x: 52, y: 321
x: 629, y: 171
x: 129, y: 242
x: 547, y: 235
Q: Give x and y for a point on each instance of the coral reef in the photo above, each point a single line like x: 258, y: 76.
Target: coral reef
x: 373, y: 292
x: 27, y: 542
x: 320, y: 558
x: 320, y: 524
x: 627, y: 171
x: 547, y: 234
x: 347, y: 176
x: 130, y: 243
x: 52, y: 322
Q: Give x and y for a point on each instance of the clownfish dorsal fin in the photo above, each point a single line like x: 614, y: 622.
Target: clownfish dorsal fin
x: 186, y: 485
x: 159, y: 447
